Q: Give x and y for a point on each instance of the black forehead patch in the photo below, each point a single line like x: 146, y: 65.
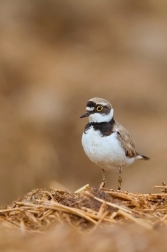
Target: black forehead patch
x: 91, y: 104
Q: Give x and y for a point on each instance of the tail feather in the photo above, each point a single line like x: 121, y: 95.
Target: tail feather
x: 140, y: 156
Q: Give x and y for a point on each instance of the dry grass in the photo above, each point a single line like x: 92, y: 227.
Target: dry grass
x: 85, y: 209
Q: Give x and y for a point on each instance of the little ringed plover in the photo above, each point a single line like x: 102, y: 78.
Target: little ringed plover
x: 105, y: 141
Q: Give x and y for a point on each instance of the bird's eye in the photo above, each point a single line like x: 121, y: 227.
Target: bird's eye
x: 99, y: 108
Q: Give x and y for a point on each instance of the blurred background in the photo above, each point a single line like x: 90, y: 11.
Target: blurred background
x: 56, y: 55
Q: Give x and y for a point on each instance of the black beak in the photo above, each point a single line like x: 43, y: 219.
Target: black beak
x: 85, y: 115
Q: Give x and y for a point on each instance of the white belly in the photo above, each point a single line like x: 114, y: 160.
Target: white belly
x: 105, y: 151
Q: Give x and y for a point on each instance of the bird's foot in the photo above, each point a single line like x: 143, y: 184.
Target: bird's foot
x: 102, y: 184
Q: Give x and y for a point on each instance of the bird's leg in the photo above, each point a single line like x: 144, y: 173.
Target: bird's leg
x: 102, y: 185
x: 120, y: 178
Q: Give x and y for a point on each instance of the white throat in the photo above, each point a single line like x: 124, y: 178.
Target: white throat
x: 97, y: 117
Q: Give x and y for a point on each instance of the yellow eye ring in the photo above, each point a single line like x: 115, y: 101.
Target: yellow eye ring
x: 99, y: 108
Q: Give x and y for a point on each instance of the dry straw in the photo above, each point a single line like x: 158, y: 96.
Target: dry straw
x: 86, y: 209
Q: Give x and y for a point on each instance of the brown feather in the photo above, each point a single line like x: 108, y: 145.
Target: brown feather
x: 126, y: 140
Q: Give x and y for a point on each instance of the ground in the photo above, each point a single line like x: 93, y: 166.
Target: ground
x: 102, y: 217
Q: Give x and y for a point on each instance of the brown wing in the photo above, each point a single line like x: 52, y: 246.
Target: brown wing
x: 126, y: 140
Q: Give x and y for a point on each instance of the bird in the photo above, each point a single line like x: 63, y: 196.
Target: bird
x: 105, y: 141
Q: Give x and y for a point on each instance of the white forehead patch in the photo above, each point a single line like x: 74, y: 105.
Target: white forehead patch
x: 89, y: 108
